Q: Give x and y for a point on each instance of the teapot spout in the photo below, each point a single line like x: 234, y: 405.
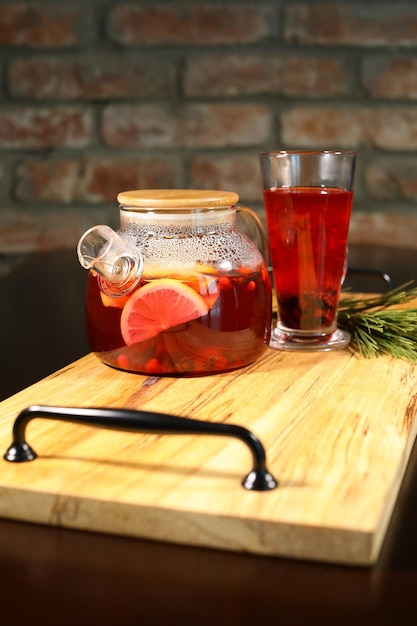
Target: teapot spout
x: 118, y: 265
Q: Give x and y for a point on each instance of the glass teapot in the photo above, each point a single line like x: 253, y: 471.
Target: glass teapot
x: 178, y: 290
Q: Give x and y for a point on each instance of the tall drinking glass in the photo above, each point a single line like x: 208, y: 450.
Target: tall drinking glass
x: 308, y: 200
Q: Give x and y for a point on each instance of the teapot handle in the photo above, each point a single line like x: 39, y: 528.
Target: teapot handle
x: 254, y: 229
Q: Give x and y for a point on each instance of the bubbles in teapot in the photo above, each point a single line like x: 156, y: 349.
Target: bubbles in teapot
x: 183, y: 247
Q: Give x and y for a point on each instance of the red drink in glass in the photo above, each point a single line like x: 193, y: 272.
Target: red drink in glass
x: 308, y: 229
x: 308, y: 199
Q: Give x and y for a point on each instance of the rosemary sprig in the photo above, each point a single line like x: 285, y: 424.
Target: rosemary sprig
x: 378, y: 328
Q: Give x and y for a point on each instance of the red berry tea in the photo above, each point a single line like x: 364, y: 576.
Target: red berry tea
x: 183, y: 324
x: 308, y: 229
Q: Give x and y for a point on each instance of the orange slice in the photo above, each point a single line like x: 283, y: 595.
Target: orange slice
x: 117, y: 302
x: 158, y: 306
x: 203, y: 283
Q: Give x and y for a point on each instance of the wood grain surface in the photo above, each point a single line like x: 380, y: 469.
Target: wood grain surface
x: 338, y: 431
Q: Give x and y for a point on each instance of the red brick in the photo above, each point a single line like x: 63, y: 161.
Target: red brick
x: 204, y: 24
x: 92, y: 180
x: 351, y: 23
x: 49, y: 229
x: 232, y: 74
x: 309, y: 77
x: 390, y: 178
x: 98, y: 76
x: 54, y: 127
x: 236, y: 74
x: 324, y: 126
x: 215, y: 125
x: 49, y: 25
x: 390, y: 128
x: 387, y: 77
x: 383, y: 229
x: 342, y: 126
x: 236, y: 172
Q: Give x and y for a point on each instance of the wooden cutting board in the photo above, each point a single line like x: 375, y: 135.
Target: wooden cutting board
x: 338, y: 432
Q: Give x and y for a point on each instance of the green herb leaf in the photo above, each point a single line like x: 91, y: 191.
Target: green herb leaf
x: 378, y: 329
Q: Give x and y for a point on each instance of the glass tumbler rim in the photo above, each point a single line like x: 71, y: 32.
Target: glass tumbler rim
x: 307, y: 152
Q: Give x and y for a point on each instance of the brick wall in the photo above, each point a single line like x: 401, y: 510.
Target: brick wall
x: 101, y: 96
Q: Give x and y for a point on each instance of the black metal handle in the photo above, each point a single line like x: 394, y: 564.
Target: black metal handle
x: 259, y: 479
x: 358, y: 271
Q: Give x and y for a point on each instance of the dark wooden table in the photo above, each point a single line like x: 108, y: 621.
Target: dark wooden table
x: 56, y: 576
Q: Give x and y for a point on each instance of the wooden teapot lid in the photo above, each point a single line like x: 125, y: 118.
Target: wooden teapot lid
x: 176, y: 198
